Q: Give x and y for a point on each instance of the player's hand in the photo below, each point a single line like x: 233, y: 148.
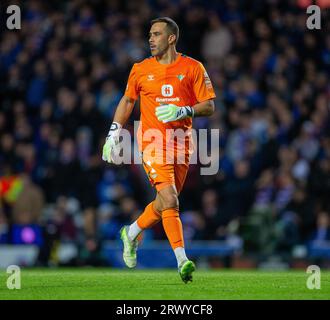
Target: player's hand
x: 111, y: 146
x: 171, y: 112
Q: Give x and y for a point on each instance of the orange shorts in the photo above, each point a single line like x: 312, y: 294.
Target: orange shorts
x: 164, y: 174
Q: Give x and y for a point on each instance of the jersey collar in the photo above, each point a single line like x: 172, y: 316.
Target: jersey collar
x: 176, y: 61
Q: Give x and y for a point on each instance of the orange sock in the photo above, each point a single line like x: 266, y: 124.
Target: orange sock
x: 173, y: 227
x: 149, y: 217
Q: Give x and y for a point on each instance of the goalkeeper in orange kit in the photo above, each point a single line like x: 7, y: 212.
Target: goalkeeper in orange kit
x: 173, y: 88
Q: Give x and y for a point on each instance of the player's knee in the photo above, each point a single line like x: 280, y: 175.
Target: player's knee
x: 170, y: 201
x: 157, y: 206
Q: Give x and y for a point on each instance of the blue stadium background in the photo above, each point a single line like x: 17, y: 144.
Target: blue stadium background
x: 61, y: 77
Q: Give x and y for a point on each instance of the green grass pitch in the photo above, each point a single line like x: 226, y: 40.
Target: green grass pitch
x: 107, y: 283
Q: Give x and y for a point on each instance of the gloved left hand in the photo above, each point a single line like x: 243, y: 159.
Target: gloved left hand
x: 171, y: 112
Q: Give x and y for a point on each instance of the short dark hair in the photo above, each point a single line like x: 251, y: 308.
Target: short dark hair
x: 170, y: 24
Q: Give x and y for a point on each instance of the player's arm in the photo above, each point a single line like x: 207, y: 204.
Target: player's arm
x: 123, y: 112
x: 204, y: 109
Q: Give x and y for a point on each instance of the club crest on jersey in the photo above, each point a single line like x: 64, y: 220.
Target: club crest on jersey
x: 167, y: 90
x: 180, y: 76
x: 151, y: 77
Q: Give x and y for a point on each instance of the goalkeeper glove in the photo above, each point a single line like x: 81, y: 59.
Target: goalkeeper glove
x: 171, y: 112
x: 111, y: 145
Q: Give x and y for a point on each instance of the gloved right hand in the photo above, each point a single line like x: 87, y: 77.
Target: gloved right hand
x: 111, y: 146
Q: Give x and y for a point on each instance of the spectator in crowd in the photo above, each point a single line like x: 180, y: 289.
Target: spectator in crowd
x: 322, y: 230
x: 28, y: 206
x: 217, y: 41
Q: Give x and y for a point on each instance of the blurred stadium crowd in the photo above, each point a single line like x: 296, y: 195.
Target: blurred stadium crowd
x: 63, y: 73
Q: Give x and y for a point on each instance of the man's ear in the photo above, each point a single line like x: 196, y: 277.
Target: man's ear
x: 172, y: 38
